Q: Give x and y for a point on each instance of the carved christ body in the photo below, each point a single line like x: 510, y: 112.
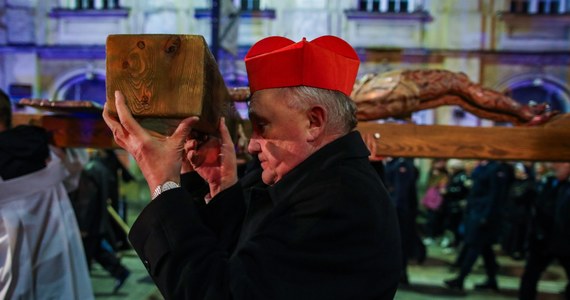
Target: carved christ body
x: 399, y: 93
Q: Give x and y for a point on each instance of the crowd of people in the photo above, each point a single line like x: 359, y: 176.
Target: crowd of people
x: 480, y: 207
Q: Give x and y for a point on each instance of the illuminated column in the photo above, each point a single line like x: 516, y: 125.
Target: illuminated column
x: 383, y: 5
x: 412, y: 4
x: 69, y: 4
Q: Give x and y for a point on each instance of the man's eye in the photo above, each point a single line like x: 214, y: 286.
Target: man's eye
x: 260, y: 126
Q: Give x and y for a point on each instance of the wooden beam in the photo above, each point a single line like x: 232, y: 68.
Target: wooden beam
x: 87, y: 131
x: 497, y: 143
x: 166, y: 78
x: 548, y: 143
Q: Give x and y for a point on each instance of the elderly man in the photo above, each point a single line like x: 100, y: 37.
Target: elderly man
x: 314, y: 222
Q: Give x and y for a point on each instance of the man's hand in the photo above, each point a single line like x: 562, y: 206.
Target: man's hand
x: 214, y: 160
x: 159, y: 157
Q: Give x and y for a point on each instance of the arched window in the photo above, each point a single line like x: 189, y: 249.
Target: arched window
x: 540, y: 89
x: 82, y: 85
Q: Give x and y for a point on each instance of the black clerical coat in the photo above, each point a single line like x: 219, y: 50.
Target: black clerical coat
x: 23, y: 150
x: 485, y: 202
x: 326, y: 230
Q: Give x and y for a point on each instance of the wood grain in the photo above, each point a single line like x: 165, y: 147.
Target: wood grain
x: 548, y: 143
x: 498, y: 143
x: 166, y: 78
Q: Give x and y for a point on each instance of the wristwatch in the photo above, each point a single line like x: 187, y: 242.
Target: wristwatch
x: 163, y: 188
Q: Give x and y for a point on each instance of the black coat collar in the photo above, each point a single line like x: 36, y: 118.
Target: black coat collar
x: 348, y: 146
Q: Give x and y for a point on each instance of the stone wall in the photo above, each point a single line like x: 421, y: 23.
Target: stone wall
x: 43, y: 42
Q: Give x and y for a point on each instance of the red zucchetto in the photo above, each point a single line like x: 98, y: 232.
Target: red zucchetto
x: 327, y: 62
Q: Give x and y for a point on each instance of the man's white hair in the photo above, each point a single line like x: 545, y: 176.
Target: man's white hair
x: 340, y: 109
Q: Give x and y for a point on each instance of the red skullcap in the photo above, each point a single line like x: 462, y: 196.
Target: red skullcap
x: 327, y: 62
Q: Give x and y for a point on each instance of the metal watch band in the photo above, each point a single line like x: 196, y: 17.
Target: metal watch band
x: 164, y: 187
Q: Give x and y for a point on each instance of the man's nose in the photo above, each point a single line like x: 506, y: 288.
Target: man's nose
x: 253, y: 146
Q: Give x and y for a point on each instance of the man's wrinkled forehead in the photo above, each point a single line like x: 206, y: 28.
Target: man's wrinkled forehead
x: 260, y: 99
x: 253, y: 105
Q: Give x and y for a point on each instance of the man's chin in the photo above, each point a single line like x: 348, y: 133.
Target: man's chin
x: 268, y: 177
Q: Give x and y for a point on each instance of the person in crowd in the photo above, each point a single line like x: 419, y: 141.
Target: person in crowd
x: 541, y: 171
x: 401, y: 178
x: 454, y: 199
x: 549, y: 238
x: 485, y: 203
x: 518, y: 212
x: 470, y: 166
x: 313, y: 222
x: 432, y: 200
x: 90, y: 202
x: 40, y: 245
x: 116, y: 237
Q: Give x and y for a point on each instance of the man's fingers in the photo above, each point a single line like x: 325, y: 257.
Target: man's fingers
x: 190, y: 145
x: 224, y: 132
x: 125, y: 116
x: 114, y: 125
x: 195, y: 159
x: 109, y: 120
x: 183, y: 129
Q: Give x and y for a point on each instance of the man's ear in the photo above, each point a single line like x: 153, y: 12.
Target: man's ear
x: 317, y: 118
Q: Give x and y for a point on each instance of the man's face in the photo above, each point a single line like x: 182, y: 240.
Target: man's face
x: 280, y: 135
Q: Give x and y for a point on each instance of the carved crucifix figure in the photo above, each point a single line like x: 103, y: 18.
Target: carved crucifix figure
x: 399, y: 93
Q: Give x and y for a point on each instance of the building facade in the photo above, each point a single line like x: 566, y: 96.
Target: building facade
x: 55, y: 49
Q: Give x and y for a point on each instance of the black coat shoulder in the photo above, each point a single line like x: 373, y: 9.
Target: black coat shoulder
x: 23, y: 150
